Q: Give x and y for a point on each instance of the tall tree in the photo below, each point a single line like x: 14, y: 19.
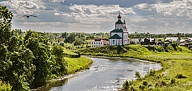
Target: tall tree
x: 5, y: 24
x: 40, y: 48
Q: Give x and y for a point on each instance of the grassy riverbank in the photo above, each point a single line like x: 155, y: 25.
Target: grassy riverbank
x: 77, y: 64
x: 176, y: 74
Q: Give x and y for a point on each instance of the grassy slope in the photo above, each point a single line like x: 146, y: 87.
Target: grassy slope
x: 77, y: 64
x: 173, y: 62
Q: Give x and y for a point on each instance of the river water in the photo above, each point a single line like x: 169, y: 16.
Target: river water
x: 106, y: 75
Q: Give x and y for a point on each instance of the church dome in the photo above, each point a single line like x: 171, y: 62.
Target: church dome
x: 119, y: 22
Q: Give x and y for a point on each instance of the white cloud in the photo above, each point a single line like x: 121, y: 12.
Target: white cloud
x: 55, y: 15
x: 175, y: 8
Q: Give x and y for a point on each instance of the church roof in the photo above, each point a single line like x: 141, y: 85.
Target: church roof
x: 119, y: 22
x: 117, y: 30
x: 116, y: 36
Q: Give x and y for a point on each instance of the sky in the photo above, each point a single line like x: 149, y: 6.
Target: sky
x: 153, y: 16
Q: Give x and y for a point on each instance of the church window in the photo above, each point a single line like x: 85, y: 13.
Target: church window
x: 113, y: 41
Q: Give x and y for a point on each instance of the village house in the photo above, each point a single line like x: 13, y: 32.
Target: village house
x: 148, y: 41
x: 98, y: 42
x: 173, y: 39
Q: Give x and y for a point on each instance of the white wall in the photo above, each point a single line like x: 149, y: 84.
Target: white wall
x: 97, y: 43
x: 113, y: 42
x: 125, y: 38
x: 118, y: 26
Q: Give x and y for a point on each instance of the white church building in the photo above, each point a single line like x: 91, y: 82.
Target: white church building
x: 119, y: 35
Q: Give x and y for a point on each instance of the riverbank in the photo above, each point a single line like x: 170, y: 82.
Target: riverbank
x: 176, y: 72
x: 74, y: 65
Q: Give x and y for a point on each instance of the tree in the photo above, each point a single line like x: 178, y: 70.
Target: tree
x: 38, y: 44
x: 20, y: 73
x: 60, y: 64
x: 5, y: 24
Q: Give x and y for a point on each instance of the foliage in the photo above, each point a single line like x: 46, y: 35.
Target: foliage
x: 4, y: 86
x: 5, y: 24
x: 180, y: 76
x: 126, y: 85
x: 137, y: 75
x: 39, y: 46
x: 60, y: 66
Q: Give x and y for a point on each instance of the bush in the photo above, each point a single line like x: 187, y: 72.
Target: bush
x: 145, y: 83
x: 151, y: 73
x: 137, y: 75
x: 173, y: 81
x: 126, y: 85
x: 142, y: 87
x: 163, y: 83
x: 180, y: 76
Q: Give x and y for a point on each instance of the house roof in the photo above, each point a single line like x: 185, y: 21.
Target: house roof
x: 119, y: 22
x: 116, y: 36
x: 172, y: 38
x: 117, y: 30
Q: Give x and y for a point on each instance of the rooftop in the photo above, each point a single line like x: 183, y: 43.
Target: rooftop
x: 117, y: 30
x: 119, y: 22
x: 115, y: 37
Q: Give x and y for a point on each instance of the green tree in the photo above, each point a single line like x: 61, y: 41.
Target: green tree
x: 60, y: 66
x: 38, y: 44
x: 20, y: 73
x: 5, y: 24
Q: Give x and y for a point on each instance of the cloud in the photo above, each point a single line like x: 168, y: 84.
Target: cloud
x: 177, y: 8
x: 154, y: 16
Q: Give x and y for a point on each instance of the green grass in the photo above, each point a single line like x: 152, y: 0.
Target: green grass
x: 66, y: 51
x: 77, y: 64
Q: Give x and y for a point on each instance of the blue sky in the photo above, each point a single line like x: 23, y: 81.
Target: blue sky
x: 153, y: 16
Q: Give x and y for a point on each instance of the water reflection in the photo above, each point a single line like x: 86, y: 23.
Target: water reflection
x: 52, y: 84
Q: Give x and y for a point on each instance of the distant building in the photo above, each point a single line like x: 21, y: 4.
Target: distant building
x: 186, y: 41
x: 173, y: 39
x: 148, y: 41
x: 98, y: 42
x: 119, y: 35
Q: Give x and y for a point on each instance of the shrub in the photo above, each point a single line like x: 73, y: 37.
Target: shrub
x: 137, y: 75
x: 173, y: 81
x: 132, y: 88
x: 180, y: 76
x: 145, y: 83
x: 151, y: 73
x: 163, y: 83
x: 141, y: 87
x: 126, y: 85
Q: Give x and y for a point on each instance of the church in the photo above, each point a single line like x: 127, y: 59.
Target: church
x: 119, y: 35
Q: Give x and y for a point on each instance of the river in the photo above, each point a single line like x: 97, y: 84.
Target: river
x: 106, y: 75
